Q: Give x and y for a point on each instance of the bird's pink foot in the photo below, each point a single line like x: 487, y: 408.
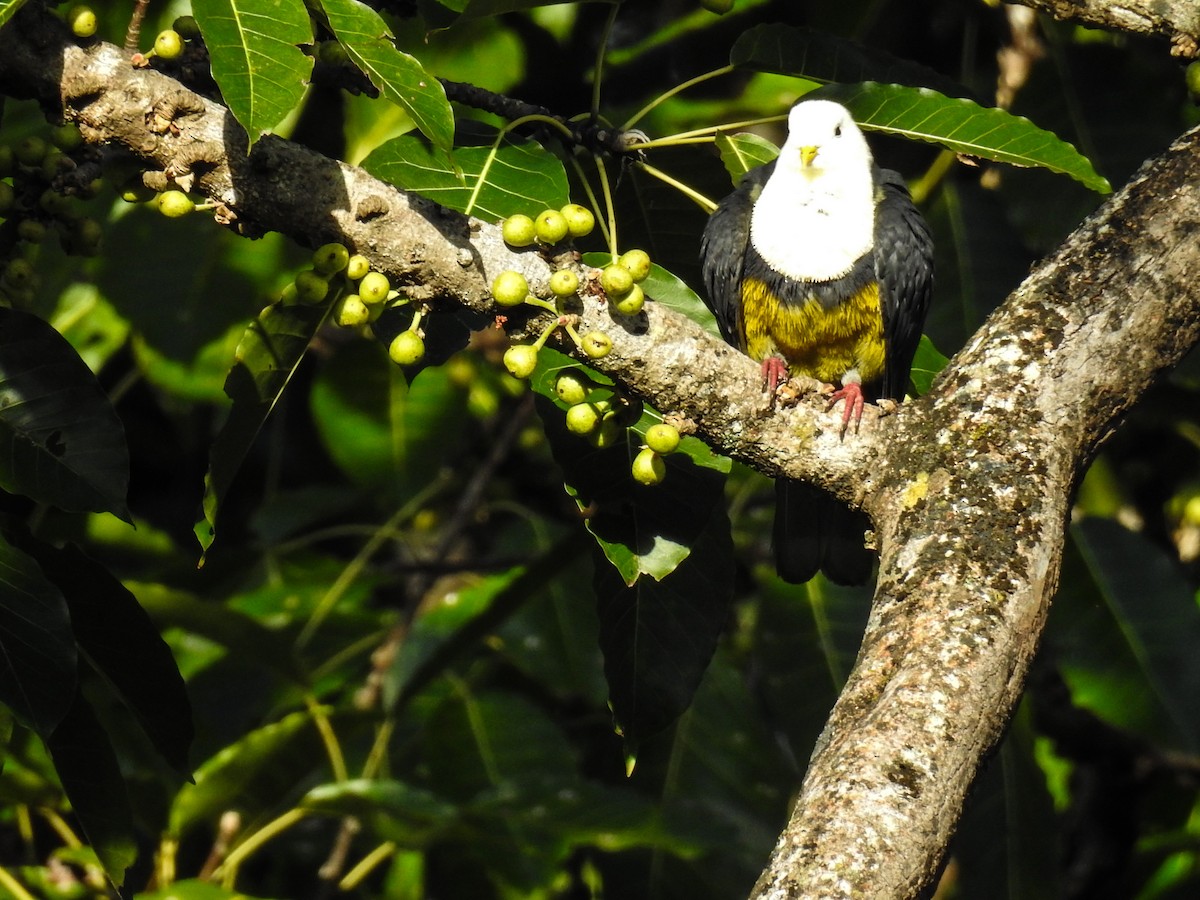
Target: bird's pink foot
x: 774, y: 373
x: 852, y: 394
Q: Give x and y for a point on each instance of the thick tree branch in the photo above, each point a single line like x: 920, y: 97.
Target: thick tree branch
x: 970, y: 513
x: 1177, y: 20
x: 437, y: 255
x: 970, y: 502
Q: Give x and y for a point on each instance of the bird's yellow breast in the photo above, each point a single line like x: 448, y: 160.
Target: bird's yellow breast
x: 819, y: 342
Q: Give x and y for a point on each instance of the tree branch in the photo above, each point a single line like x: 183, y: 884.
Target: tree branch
x: 970, y: 512
x: 436, y: 255
x: 970, y: 501
x: 1177, y: 20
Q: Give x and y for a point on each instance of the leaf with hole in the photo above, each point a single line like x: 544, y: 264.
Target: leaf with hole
x: 254, y: 48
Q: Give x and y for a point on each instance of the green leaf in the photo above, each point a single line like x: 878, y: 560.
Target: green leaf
x: 962, y: 126
x: 926, y: 365
x: 257, y: 772
x: 399, y: 77
x: 397, y: 811
x: 658, y: 636
x: 824, y: 57
x: 8, y: 9
x: 124, y: 646
x: 805, y: 638
x: 1153, y: 627
x: 387, y: 436
x: 256, y: 57
x: 743, y: 151
x: 1007, y: 845
x: 670, y: 291
x: 37, y: 649
x: 243, y: 635
x: 441, y: 631
x: 642, y: 530
x: 517, y: 176
x: 193, y: 889
x: 267, y: 357
x: 478, y: 741
x: 91, y: 776
x: 61, y: 443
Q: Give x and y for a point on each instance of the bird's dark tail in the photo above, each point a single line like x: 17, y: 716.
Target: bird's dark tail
x: 814, y: 531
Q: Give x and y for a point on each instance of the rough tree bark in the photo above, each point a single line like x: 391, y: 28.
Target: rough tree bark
x: 968, y: 487
x: 1176, y: 20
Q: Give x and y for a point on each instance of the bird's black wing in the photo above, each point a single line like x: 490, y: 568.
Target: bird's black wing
x: 723, y: 252
x: 904, y: 268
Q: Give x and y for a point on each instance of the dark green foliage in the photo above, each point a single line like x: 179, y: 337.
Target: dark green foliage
x: 395, y: 614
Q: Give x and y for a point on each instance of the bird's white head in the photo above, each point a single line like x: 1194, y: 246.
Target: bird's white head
x: 823, y: 139
x: 816, y: 214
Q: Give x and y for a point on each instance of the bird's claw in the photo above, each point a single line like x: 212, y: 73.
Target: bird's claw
x: 852, y: 395
x: 774, y: 373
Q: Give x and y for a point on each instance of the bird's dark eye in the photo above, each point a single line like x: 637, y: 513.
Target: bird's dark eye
x: 837, y: 131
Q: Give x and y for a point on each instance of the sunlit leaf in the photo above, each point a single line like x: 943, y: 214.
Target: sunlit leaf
x: 962, y: 126
x: 670, y: 291
x: 744, y: 151
x: 926, y: 364
x: 242, y: 635
x: 254, y: 46
x: 37, y: 649
x: 517, y: 177
x: 399, y: 77
x: 61, y: 443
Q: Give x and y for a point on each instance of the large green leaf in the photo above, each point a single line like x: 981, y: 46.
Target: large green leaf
x: 256, y: 773
x: 397, y: 811
x: 475, y: 742
x: 1007, y: 845
x: 399, y: 77
x: 658, y: 636
x: 1139, y: 668
x: 37, y: 649
x: 388, y: 436
x: 443, y: 630
x: 962, y: 126
x: 91, y: 776
x: 267, y: 357
x: 61, y: 443
x: 671, y: 291
x: 824, y: 57
x: 744, y: 151
x: 242, y: 635
x: 123, y: 645
x: 492, y: 183
x: 254, y: 46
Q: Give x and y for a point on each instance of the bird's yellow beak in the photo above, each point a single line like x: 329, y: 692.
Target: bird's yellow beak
x: 807, y: 155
